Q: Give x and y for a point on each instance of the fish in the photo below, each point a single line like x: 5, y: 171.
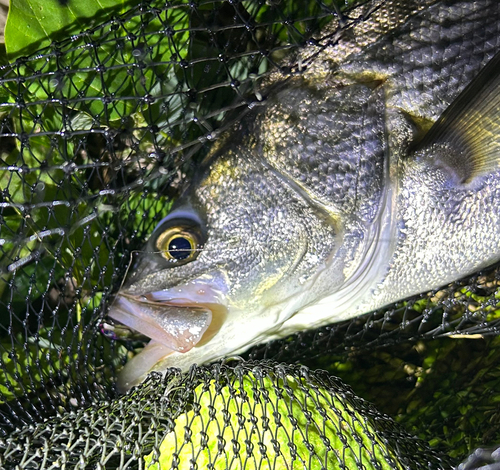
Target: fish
x: 368, y: 174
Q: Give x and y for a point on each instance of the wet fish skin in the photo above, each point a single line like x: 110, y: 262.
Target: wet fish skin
x: 327, y: 201
x: 416, y: 73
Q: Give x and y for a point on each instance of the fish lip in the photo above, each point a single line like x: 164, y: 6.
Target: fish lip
x: 179, y: 320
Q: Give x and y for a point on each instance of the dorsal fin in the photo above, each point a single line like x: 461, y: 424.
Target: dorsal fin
x: 466, y: 138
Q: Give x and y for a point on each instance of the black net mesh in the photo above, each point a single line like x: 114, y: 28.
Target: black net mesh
x: 97, y: 135
x: 254, y: 415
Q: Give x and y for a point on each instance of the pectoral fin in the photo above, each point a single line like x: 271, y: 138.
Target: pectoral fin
x: 465, y: 140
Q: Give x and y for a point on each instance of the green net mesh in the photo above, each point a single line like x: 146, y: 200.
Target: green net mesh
x: 98, y: 133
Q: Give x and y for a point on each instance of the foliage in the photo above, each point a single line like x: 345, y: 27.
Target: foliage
x: 33, y: 24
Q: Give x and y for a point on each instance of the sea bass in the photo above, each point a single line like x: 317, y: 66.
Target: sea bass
x: 370, y: 175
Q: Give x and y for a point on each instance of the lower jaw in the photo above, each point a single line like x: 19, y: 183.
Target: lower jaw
x: 140, y: 365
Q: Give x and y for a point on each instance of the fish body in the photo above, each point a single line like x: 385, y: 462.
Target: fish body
x: 370, y: 176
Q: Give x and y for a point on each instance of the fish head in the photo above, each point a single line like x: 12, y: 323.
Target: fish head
x: 230, y: 263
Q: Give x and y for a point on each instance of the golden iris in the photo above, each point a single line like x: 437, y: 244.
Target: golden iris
x: 178, y: 244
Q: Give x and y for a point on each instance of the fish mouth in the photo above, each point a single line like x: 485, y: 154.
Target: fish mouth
x: 178, y: 319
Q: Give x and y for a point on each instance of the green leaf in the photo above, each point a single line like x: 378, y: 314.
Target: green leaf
x: 34, y: 24
x: 93, y: 71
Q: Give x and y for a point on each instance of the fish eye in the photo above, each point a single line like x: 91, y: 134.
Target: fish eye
x: 178, y: 244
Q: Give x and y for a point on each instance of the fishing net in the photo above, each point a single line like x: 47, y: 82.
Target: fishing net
x: 98, y: 133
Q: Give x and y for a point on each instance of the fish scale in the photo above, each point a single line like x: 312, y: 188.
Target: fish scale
x: 322, y: 160
x: 369, y: 174
x: 426, y: 74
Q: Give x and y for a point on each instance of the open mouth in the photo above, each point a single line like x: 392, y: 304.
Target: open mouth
x: 178, y: 325
x: 176, y: 321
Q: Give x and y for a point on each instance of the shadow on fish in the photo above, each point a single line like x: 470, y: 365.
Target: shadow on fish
x: 371, y: 176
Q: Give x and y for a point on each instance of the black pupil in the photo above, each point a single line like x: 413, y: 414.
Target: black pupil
x: 179, y: 248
